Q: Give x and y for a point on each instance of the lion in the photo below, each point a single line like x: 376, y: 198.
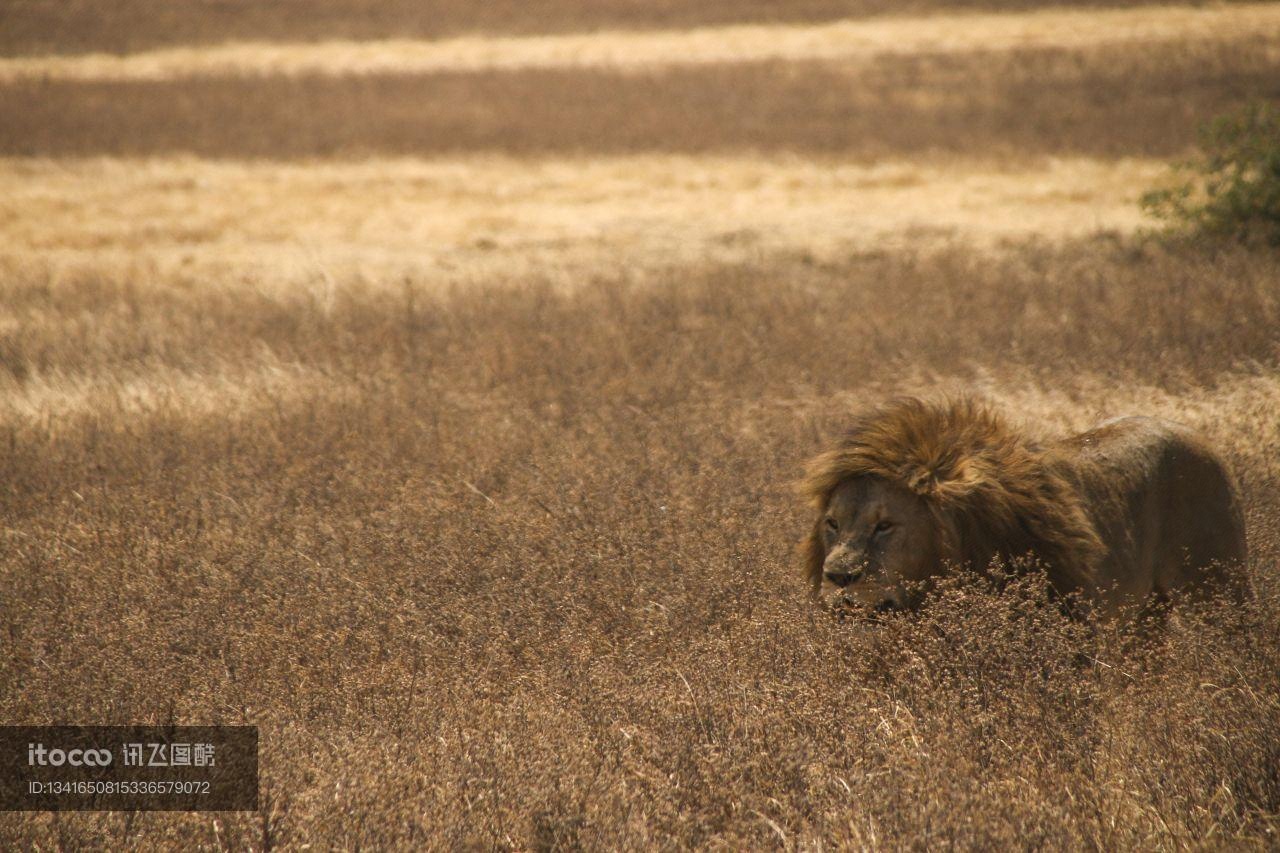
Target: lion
x: 1121, y: 518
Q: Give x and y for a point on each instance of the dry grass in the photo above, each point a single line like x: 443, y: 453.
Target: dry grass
x: 1096, y: 102
x: 510, y: 567
x: 868, y: 41
x: 33, y: 27
x: 277, y: 226
x: 466, y: 479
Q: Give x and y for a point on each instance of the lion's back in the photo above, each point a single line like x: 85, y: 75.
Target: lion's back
x: 1165, y: 505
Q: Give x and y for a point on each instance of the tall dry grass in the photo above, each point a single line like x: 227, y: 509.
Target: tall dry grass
x: 1103, y: 102
x: 511, y: 566
x: 638, y: 51
x: 508, y: 563
x: 179, y: 222
x: 38, y: 27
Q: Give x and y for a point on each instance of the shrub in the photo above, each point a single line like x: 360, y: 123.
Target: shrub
x: 1233, y: 189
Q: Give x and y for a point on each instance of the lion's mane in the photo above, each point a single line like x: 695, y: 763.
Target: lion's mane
x: 990, y: 489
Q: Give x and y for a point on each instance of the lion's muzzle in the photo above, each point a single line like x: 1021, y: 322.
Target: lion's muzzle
x: 842, y: 577
x: 843, y: 566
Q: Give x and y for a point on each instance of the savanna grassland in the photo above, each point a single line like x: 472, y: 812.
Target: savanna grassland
x: 439, y: 419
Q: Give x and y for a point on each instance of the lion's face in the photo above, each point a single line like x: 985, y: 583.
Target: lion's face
x: 879, y: 545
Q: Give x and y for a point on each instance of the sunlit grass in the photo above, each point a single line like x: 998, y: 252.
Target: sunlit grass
x: 276, y: 227
x: 841, y: 40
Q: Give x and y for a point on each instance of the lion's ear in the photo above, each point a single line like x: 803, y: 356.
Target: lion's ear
x: 813, y: 555
x: 945, y: 479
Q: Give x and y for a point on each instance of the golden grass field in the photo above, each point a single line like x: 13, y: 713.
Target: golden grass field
x: 428, y: 394
x: 867, y: 40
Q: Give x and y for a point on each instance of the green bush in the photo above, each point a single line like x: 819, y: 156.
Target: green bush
x: 1233, y: 189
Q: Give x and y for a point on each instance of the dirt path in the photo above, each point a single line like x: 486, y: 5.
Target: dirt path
x: 844, y: 40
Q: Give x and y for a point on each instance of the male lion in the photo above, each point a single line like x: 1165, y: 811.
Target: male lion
x: 1121, y: 516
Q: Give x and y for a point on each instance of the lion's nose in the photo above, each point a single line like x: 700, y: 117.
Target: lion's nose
x: 842, y: 577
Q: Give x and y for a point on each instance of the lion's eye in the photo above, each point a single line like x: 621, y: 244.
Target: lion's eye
x: 831, y: 525
x: 882, y: 526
